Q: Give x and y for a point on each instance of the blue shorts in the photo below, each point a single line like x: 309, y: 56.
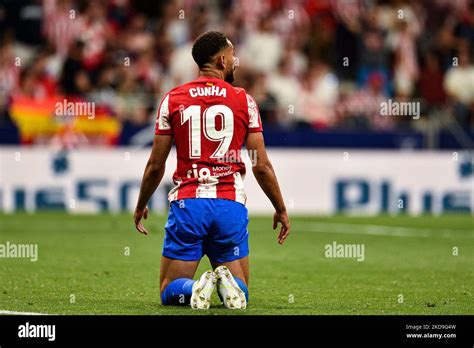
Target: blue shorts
x: 206, y: 226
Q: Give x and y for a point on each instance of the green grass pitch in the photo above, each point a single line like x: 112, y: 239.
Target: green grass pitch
x: 409, y: 266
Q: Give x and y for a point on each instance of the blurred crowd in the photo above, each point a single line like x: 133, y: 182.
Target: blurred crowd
x: 308, y: 63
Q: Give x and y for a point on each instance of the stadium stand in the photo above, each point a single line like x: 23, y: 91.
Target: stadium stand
x: 319, y: 80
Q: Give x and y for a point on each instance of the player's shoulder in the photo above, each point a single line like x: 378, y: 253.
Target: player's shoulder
x: 241, y: 94
x: 239, y: 90
x: 178, y: 89
x: 175, y: 95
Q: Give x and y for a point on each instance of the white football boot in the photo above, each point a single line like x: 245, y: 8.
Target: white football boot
x: 231, y: 293
x: 202, y: 290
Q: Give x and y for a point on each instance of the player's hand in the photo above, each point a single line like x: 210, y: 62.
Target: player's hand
x: 285, y: 225
x: 138, y: 215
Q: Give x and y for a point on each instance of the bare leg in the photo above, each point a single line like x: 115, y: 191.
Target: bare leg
x: 239, y: 268
x: 172, y: 269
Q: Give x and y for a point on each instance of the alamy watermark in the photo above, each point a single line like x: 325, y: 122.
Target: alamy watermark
x: 238, y: 156
x: 398, y: 108
x: 336, y: 250
x: 28, y: 330
x: 76, y: 108
x: 25, y: 251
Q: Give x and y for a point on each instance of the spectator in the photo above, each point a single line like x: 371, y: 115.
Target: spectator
x: 406, y: 64
x: 286, y: 88
x: 431, y: 81
x: 62, y: 25
x: 74, y: 79
x: 459, y: 85
x: 26, y: 18
x: 123, y: 55
x: 373, y: 54
x: 9, y: 75
x: 95, y: 32
x: 318, y: 97
x: 263, y: 40
x: 360, y: 108
x: 266, y: 101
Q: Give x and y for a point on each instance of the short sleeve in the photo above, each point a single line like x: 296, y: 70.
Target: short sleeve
x: 255, y: 123
x: 163, y: 122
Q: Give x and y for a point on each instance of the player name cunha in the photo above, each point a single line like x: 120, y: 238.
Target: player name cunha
x: 37, y: 331
x: 208, y: 91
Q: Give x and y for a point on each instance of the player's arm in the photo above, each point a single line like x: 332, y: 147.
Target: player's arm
x: 266, y: 178
x: 154, y: 170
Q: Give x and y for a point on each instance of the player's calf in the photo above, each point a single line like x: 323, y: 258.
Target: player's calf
x: 185, y: 291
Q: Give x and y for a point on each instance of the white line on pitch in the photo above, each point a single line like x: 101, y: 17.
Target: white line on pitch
x: 4, y: 312
x: 380, y: 230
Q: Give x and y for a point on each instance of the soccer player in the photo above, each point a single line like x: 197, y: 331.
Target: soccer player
x: 209, y: 121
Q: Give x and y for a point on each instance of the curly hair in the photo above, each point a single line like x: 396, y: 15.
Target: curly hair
x: 207, y: 45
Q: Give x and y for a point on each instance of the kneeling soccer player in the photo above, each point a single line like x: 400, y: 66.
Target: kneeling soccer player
x: 209, y: 121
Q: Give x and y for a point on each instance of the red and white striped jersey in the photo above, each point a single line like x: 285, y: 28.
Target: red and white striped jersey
x: 62, y: 25
x: 209, y: 120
